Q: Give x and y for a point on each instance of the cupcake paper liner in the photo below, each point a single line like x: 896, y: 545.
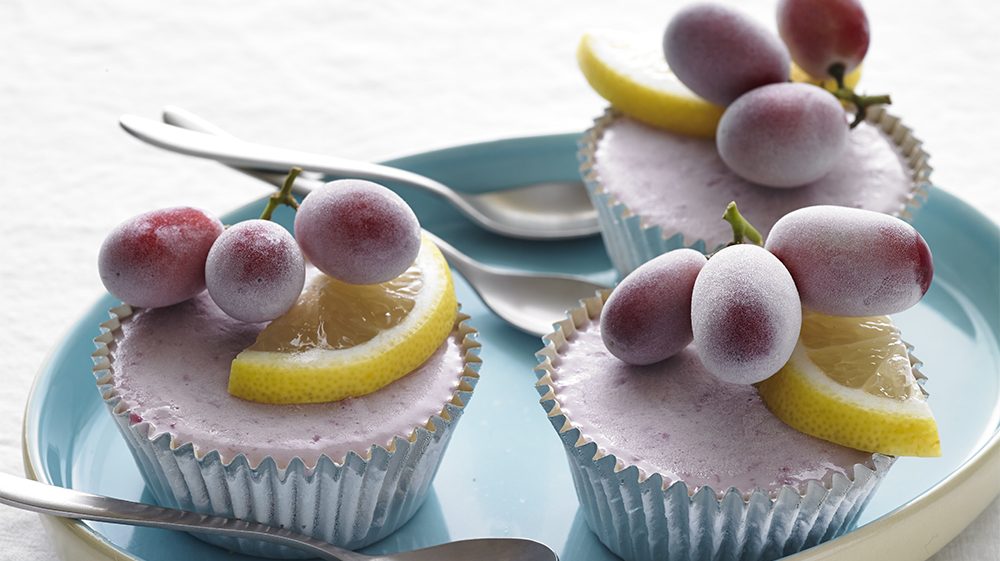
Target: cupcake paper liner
x: 631, y: 241
x: 350, y: 502
x: 647, y: 517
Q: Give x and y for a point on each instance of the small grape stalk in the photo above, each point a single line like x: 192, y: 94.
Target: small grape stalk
x: 745, y: 310
x: 829, y: 38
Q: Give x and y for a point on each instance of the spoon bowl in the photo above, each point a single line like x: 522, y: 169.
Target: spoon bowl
x: 546, y: 211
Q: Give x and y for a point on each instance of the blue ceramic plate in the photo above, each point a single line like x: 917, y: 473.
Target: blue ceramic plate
x: 505, y: 473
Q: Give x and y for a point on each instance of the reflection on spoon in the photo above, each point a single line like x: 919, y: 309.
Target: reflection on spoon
x: 531, y: 302
x: 547, y: 211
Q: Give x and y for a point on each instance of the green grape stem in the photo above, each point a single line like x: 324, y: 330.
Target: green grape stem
x: 861, y: 103
x: 282, y: 197
x: 741, y: 226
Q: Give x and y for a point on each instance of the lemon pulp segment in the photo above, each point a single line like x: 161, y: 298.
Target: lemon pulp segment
x: 850, y: 381
x: 342, y: 340
x: 336, y: 315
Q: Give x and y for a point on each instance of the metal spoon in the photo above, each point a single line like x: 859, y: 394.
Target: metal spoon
x: 531, y: 302
x: 549, y: 211
x: 58, y: 501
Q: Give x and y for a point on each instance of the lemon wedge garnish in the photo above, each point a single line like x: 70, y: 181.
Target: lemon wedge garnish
x: 850, y: 381
x: 342, y: 340
x: 635, y: 79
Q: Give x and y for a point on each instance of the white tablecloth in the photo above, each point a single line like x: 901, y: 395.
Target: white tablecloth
x: 360, y: 79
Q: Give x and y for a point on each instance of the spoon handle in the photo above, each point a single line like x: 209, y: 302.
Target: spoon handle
x: 240, y: 153
x: 57, y: 501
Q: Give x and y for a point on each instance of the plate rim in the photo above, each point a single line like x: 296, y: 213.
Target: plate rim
x: 918, y: 514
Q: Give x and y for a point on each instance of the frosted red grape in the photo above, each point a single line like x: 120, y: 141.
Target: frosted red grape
x: 822, y: 33
x: 157, y: 258
x: 721, y: 54
x: 255, y: 271
x: 852, y: 262
x: 647, y: 318
x: 357, y: 231
x: 745, y: 314
x: 783, y: 135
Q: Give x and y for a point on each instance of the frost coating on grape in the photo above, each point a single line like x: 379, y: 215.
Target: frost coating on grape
x: 783, y: 135
x: 157, y: 258
x: 255, y: 271
x: 357, y: 231
x: 648, y: 316
x: 820, y: 33
x: 745, y: 314
x: 721, y: 54
x: 852, y: 262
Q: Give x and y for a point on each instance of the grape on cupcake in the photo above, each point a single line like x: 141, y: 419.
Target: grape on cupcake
x: 721, y: 54
x: 158, y: 258
x: 358, y: 232
x: 772, y: 132
x: 743, y: 307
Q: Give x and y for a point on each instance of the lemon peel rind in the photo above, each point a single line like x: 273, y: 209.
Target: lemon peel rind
x: 631, y: 239
x: 784, y: 393
x: 389, y: 477
x: 351, y: 370
x: 688, y: 115
x: 629, y: 509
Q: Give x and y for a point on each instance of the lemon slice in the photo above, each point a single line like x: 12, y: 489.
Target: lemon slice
x: 342, y: 340
x: 635, y: 79
x: 850, y: 381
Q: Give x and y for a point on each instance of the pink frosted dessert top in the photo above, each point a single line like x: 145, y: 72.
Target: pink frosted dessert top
x: 681, y: 184
x: 675, y: 419
x: 171, y: 366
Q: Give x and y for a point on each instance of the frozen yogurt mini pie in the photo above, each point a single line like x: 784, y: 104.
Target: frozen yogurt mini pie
x: 319, y: 398
x: 669, y: 463
x: 349, y: 472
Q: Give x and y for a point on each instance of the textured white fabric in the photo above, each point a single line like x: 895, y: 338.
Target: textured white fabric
x: 360, y: 79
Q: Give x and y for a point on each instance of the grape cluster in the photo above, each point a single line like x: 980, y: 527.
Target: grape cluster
x: 742, y: 308
x: 355, y: 231
x: 773, y: 132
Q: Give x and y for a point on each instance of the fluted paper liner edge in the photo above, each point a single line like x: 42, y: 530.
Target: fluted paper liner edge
x: 631, y: 240
x: 351, y: 501
x: 645, y: 516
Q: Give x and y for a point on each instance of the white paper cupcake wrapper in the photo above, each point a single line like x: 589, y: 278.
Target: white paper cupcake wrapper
x: 631, y: 240
x: 646, y: 517
x: 350, y: 503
